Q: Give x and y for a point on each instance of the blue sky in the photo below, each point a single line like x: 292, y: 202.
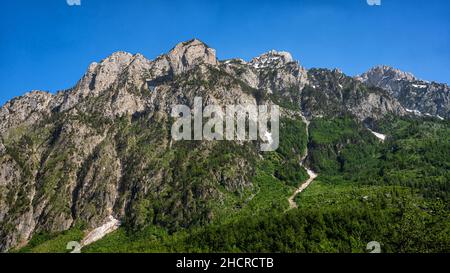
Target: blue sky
x: 47, y: 45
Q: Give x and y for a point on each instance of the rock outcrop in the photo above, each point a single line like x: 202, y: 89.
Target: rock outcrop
x: 25, y: 110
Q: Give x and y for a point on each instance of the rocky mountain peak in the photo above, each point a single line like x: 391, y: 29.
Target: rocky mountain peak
x: 383, y: 73
x: 431, y: 99
x: 112, y: 64
x: 100, y: 75
x: 273, y: 59
x: 186, y: 55
x: 119, y: 57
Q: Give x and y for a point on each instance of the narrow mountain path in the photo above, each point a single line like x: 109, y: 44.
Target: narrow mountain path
x: 312, y: 176
x: 311, y: 173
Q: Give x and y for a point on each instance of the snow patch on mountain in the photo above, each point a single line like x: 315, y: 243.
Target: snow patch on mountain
x: 272, y: 58
x: 111, y: 225
x: 381, y: 137
x: 415, y: 112
x: 420, y: 114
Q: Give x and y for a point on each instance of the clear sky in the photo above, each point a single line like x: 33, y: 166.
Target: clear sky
x: 47, y: 44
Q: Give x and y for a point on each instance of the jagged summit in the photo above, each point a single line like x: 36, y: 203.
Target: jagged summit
x: 191, y: 42
x: 416, y: 95
x: 179, y: 59
x: 385, y: 73
x: 123, y: 71
x: 186, y: 55
x: 272, y: 58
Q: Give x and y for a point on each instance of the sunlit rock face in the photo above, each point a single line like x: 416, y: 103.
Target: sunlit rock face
x: 419, y: 96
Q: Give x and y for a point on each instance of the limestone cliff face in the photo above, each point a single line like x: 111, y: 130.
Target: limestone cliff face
x: 331, y: 93
x: 103, y: 148
x: 187, y: 55
x: 27, y: 109
x: 271, y: 72
x: 418, y: 96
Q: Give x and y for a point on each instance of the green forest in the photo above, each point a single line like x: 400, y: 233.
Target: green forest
x: 394, y: 192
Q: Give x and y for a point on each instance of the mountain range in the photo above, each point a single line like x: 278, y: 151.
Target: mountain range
x: 102, y: 149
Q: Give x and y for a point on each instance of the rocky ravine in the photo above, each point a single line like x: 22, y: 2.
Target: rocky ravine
x: 102, y: 149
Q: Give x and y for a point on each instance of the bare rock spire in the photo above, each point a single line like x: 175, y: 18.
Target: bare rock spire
x: 186, y: 55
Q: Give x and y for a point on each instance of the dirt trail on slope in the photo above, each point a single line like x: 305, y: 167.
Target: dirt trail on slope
x: 311, y: 173
x: 312, y: 176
